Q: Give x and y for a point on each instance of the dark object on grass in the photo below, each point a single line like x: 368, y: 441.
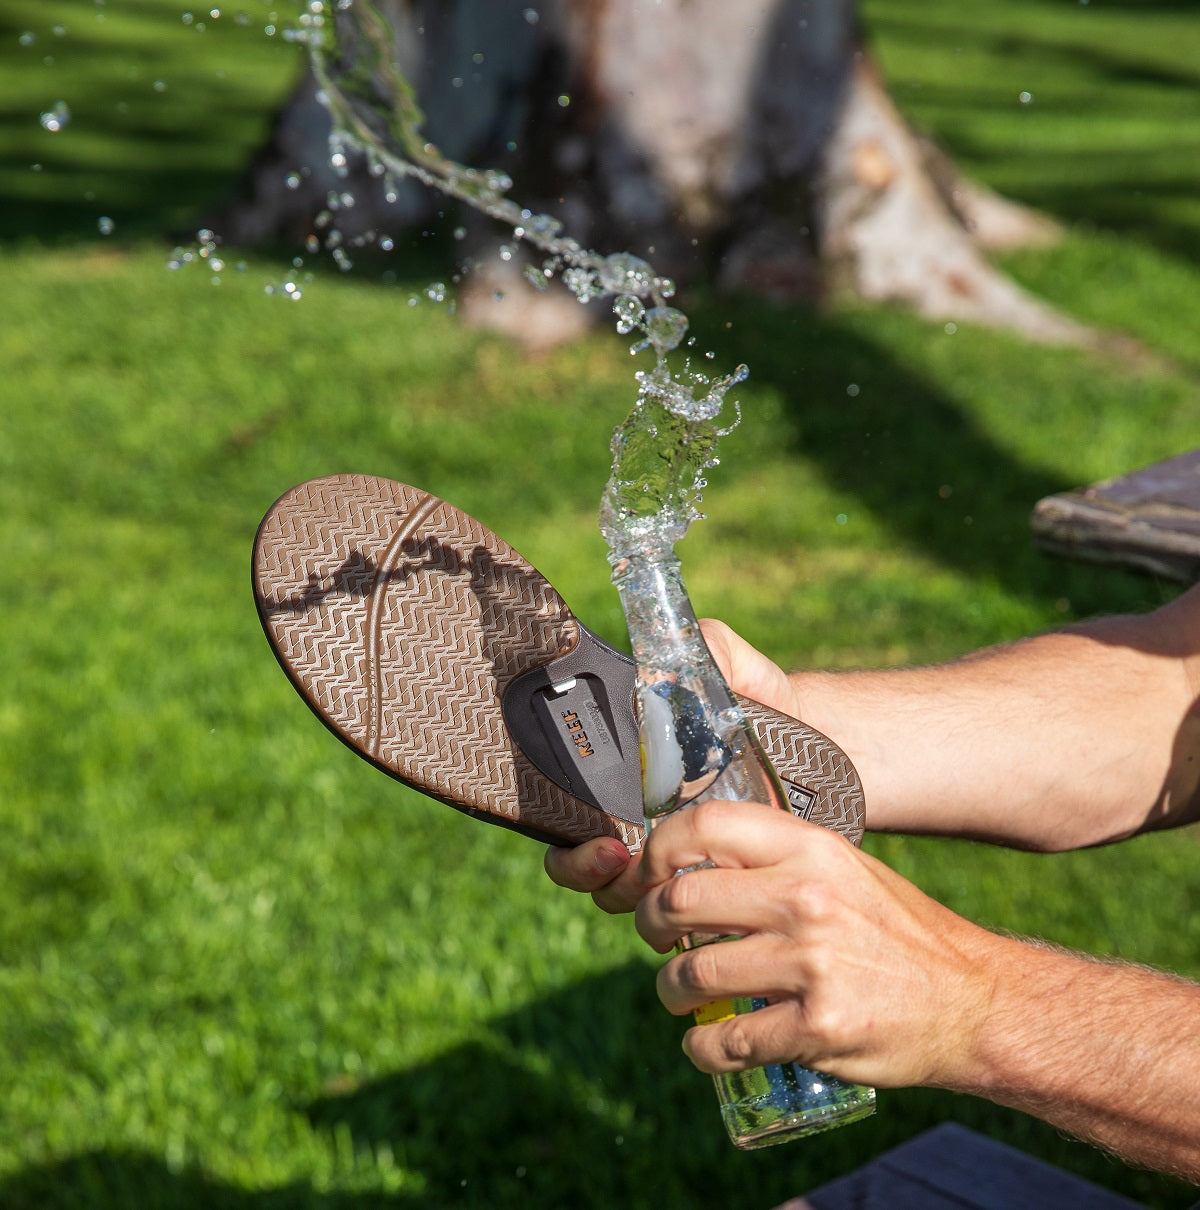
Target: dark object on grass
x: 1148, y: 520
x: 952, y: 1168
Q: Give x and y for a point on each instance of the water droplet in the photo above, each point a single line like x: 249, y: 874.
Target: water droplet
x: 536, y: 277
x: 950, y: 329
x: 436, y: 292
x: 160, y: 86
x: 105, y: 225
x: 583, y: 283
x: 665, y: 327
x: 564, y: 100
x: 629, y: 312
x: 852, y: 390
x: 55, y: 119
x: 187, y: 19
x: 543, y: 226
x: 293, y: 180
x: 387, y: 243
x: 27, y: 39
x: 622, y: 273
x: 531, y: 15
x: 505, y: 252
x: 1025, y: 98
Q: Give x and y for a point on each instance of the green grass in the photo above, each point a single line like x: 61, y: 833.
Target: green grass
x: 240, y: 968
x: 160, y: 112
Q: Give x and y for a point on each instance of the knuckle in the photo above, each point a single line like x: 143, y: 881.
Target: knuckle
x: 706, y: 816
x: 737, y: 1040
x: 701, y: 970
x: 827, y: 1024
x: 678, y: 896
x: 814, y: 901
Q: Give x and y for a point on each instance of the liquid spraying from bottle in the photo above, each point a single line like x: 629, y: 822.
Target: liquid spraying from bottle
x: 696, y: 742
x: 664, y: 448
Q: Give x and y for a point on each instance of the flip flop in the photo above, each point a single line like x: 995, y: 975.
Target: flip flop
x: 434, y: 650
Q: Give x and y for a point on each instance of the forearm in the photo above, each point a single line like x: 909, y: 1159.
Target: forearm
x: 1078, y: 737
x: 1106, y: 1052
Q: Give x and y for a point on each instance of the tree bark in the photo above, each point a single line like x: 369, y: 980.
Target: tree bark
x: 751, y: 144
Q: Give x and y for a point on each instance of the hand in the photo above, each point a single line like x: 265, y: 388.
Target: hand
x: 866, y: 977
x: 747, y: 671
x: 604, y: 868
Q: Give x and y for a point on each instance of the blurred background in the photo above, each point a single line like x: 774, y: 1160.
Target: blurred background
x: 239, y: 967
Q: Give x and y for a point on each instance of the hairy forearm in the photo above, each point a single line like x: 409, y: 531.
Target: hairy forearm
x: 1079, y: 737
x: 1107, y: 1052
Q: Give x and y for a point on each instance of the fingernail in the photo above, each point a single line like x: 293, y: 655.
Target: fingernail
x: 610, y: 861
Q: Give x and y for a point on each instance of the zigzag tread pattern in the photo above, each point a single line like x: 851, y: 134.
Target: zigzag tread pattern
x: 808, y: 758
x: 401, y: 621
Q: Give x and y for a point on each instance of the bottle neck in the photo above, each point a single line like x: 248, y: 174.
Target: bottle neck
x: 662, y: 624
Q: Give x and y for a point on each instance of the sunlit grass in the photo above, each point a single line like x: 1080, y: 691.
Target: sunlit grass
x: 240, y: 968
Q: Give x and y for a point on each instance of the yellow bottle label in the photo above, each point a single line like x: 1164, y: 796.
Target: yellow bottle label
x: 718, y: 1010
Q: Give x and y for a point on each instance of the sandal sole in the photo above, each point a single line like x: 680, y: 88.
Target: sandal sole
x: 419, y: 638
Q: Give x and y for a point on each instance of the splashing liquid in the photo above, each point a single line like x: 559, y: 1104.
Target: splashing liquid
x: 666, y: 445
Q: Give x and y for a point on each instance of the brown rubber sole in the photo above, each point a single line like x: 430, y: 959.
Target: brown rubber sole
x: 434, y: 650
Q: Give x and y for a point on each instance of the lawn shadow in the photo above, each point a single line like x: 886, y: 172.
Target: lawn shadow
x: 125, y: 1179
x: 583, y: 1099
x: 888, y: 440
x: 580, y: 1098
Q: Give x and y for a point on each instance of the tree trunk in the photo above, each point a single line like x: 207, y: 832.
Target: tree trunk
x: 752, y: 144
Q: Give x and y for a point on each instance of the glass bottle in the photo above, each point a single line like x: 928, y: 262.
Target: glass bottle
x: 697, y: 744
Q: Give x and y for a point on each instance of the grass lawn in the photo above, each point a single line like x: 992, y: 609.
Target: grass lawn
x: 238, y: 967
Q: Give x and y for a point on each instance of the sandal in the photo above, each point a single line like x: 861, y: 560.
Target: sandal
x: 434, y: 650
